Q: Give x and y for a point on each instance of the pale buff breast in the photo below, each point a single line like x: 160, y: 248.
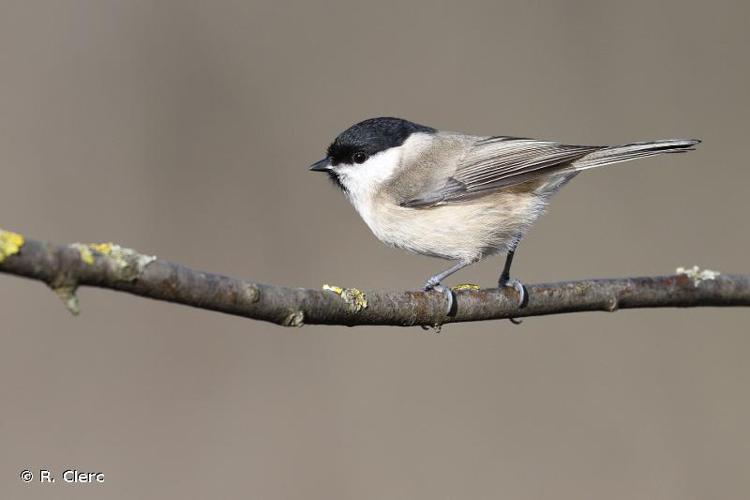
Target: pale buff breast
x: 467, y: 231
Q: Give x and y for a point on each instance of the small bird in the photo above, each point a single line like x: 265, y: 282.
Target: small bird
x: 457, y: 196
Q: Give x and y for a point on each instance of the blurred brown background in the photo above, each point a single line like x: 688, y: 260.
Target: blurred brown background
x: 184, y: 129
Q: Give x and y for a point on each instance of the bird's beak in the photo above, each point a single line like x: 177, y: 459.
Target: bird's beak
x: 321, y: 165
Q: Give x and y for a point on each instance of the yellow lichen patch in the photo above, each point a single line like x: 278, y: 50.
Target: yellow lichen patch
x: 697, y: 275
x: 102, y: 248
x: 10, y: 244
x: 126, y: 262
x: 356, y: 299
x: 85, y: 252
x: 333, y: 288
x: 465, y: 286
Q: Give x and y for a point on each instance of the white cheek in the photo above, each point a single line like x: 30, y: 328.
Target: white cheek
x: 362, y: 180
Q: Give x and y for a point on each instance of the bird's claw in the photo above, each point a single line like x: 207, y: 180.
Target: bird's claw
x: 518, y: 287
x: 522, y: 295
x: 447, y: 292
x: 430, y: 284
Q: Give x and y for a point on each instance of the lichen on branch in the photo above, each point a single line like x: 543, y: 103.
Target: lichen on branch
x: 107, y: 265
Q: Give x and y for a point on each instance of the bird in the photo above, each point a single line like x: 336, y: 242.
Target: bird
x: 457, y: 196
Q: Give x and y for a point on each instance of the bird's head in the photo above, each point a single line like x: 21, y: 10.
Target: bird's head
x: 368, y: 152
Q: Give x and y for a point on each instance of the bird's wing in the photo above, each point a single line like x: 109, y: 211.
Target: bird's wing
x: 493, y: 163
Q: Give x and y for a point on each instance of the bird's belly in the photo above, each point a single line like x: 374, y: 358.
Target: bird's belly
x: 466, y: 231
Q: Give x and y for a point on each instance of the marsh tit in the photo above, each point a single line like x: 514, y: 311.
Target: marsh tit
x: 457, y: 196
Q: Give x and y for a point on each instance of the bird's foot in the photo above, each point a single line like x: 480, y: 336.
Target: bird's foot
x: 433, y: 285
x: 517, y: 286
x: 507, y: 282
x: 430, y: 284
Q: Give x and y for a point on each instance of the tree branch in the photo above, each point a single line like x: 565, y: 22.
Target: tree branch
x: 66, y: 267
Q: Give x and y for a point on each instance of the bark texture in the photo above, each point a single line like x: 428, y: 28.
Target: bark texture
x: 66, y: 267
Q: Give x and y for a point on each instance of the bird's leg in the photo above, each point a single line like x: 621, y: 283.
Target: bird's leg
x: 506, y: 281
x: 434, y: 282
x: 505, y: 275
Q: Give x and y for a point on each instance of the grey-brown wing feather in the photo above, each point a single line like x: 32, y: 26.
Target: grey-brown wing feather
x: 493, y: 163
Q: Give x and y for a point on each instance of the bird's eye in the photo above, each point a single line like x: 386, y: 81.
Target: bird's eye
x: 359, y: 157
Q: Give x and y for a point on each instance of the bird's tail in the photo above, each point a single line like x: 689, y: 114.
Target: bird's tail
x: 627, y: 152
